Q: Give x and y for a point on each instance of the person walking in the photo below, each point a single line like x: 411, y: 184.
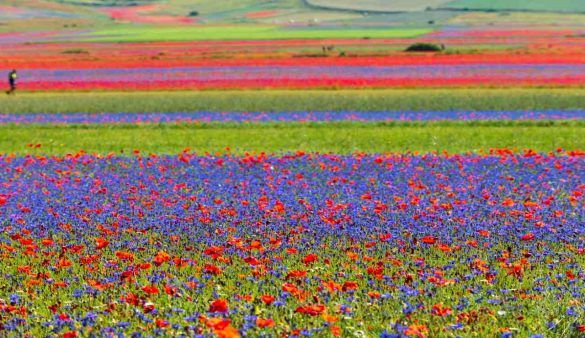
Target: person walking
x: 12, y: 76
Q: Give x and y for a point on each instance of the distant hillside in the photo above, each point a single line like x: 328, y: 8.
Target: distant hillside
x: 100, y: 15
x: 107, y: 2
x: 275, y: 11
x: 388, y: 6
x: 568, y: 6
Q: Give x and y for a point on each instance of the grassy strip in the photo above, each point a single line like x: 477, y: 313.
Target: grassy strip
x: 279, y: 100
x: 241, y: 32
x: 339, y: 138
x: 569, y: 6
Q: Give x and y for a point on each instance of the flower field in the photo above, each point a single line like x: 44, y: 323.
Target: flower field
x: 288, y: 168
x: 95, y: 70
x: 473, y: 58
x: 297, y: 245
x: 317, y: 116
x: 229, y: 77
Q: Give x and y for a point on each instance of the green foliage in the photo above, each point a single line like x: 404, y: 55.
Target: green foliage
x: 75, y: 51
x: 241, y: 32
x: 424, y: 47
x: 342, y: 138
x: 296, y: 100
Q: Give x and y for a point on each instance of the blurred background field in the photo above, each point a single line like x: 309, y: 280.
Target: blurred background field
x: 140, y: 56
x: 76, y: 17
x: 296, y: 100
x: 283, y: 137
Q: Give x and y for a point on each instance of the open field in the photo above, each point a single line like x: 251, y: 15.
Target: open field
x: 292, y: 168
x: 139, y: 34
x: 274, y: 100
x: 280, y: 138
x: 568, y: 6
x: 530, y: 117
x: 305, y: 76
x: 379, y: 5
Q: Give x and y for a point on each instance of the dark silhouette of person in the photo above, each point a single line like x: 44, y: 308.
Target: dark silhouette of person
x: 12, y: 76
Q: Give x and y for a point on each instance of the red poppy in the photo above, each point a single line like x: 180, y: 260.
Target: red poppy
x: 47, y: 242
x: 528, y: 237
x: 335, y: 331
x: 161, y: 323
x: 440, y: 310
x: 130, y: 298
x: 217, y: 323
x: 171, y: 290
x: 219, y: 305
x: 331, y: 286
x: 310, y: 258
x: 349, y: 285
x: 144, y: 266
x: 290, y: 288
x: 125, y: 256
x: 253, y: 261
x: 417, y: 331
x: 160, y: 258
x: 484, y: 233
x: 267, y: 299
x: 570, y: 274
x: 429, y: 240
x: 366, y: 197
x: 311, y: 310
x: 212, y: 269
x: 262, y: 323
x: 70, y: 334
x: 296, y: 274
x: 148, y: 307
x: 101, y: 243
x: 228, y: 332
x: 150, y: 289
x: 64, y: 263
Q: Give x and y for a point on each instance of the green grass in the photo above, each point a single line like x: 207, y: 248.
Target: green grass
x: 570, y: 6
x: 343, y: 138
x: 243, y: 32
x: 373, y: 100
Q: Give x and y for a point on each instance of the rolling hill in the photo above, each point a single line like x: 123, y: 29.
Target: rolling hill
x: 134, y: 20
x: 387, y: 6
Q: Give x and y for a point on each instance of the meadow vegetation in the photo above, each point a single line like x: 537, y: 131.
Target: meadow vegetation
x: 129, y: 33
x: 296, y: 100
x: 452, y: 206
x: 336, y: 137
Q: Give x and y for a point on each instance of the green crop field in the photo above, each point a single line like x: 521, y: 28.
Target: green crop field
x: 248, y: 32
x: 343, y: 138
x: 296, y: 100
x: 379, y: 5
x: 570, y: 6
